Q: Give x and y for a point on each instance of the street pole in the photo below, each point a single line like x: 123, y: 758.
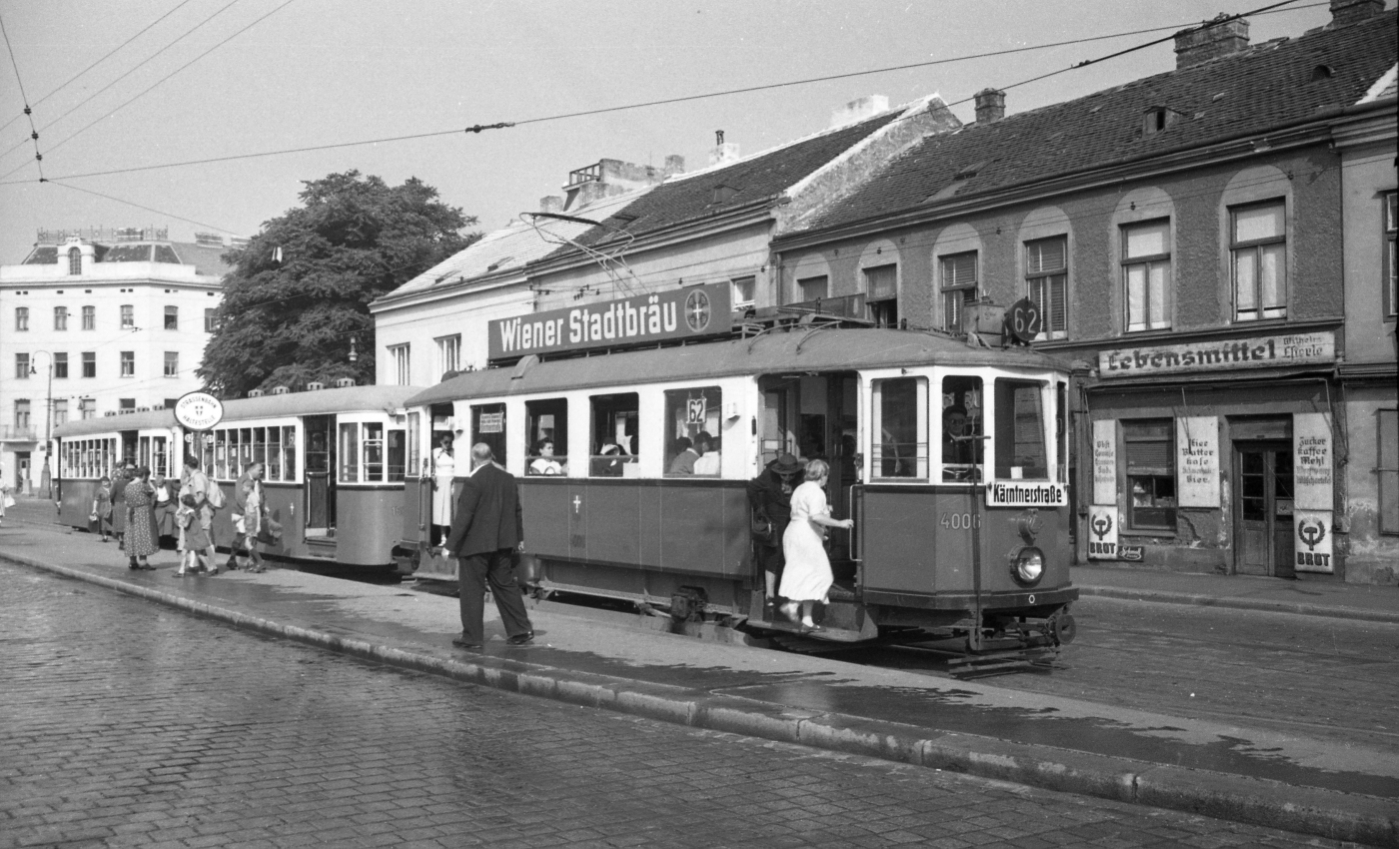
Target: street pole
x: 46, y: 476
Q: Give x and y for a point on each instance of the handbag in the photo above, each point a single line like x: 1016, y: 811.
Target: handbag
x: 762, y: 530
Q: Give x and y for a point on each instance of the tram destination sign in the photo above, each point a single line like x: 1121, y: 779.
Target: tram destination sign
x: 690, y: 313
x: 1023, y: 493
x: 1286, y: 349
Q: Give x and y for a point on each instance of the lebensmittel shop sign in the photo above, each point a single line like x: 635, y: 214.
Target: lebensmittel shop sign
x: 690, y: 313
x: 1285, y: 349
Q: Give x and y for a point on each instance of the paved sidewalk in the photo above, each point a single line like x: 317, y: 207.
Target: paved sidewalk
x: 1215, y: 769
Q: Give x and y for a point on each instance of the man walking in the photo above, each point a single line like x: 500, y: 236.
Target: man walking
x: 486, y: 531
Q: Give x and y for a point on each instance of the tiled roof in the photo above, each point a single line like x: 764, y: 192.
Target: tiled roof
x: 714, y: 190
x: 1268, y: 85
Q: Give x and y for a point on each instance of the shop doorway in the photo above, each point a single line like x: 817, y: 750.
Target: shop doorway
x: 1263, y: 509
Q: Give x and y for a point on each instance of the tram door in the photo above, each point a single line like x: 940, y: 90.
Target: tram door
x: 320, y: 475
x: 1263, y: 529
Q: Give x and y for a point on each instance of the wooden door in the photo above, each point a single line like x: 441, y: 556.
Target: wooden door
x: 1263, y: 523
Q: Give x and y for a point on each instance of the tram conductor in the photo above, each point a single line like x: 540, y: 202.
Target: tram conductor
x: 487, y: 531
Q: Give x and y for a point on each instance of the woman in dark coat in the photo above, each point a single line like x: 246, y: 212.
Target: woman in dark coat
x: 142, y: 539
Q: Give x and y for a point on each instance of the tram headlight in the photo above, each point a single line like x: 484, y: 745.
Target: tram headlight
x: 1028, y: 567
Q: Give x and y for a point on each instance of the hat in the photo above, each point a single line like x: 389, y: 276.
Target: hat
x: 786, y: 464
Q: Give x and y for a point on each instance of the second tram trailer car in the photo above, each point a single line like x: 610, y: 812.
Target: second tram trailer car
x: 335, y: 461
x: 961, y: 533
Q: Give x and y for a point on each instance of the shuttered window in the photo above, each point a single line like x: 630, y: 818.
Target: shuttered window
x: 882, y: 283
x: 957, y: 280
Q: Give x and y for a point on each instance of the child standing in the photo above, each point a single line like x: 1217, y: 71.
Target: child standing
x: 194, y: 540
x: 102, y: 508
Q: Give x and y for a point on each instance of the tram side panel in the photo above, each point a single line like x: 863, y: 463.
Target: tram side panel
x: 75, y: 505
x: 368, y: 520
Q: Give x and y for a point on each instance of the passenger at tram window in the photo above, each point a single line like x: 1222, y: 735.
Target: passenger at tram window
x: 709, y: 461
x: 546, y: 463
x: 685, y: 457
x: 610, y: 460
x: 958, y: 446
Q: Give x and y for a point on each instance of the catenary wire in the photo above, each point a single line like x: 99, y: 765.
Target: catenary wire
x: 109, y: 54
x: 28, y: 112
x: 604, y: 110
x: 139, y: 206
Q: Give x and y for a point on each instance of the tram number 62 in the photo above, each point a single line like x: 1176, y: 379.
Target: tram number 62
x: 960, y: 521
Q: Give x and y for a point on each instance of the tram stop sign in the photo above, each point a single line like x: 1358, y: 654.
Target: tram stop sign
x: 1024, y: 321
x: 198, y: 411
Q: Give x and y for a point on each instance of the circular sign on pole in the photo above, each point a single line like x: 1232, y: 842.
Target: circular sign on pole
x: 1024, y: 320
x: 198, y: 411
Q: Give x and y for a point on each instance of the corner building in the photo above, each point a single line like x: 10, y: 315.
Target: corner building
x: 1212, y: 248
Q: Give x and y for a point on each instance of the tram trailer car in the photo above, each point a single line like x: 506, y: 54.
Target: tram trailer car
x: 962, y: 534
x: 335, y: 460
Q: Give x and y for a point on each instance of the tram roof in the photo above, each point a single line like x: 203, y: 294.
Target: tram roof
x: 350, y: 399
x: 799, y: 349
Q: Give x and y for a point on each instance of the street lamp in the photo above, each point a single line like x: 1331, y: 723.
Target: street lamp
x: 46, y: 476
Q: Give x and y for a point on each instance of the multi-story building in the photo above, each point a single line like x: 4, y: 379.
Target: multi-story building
x: 1209, y: 245
x: 99, y: 322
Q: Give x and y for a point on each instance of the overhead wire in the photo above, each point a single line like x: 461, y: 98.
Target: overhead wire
x: 687, y: 98
x: 107, y: 56
x: 57, y: 182
x: 28, y: 112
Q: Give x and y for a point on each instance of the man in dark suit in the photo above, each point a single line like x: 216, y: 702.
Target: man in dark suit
x: 486, y: 532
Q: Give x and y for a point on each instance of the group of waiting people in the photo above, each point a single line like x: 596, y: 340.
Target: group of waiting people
x: 137, y: 511
x: 791, y: 516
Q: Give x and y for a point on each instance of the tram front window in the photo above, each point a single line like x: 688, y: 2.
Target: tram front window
x: 901, y: 428
x: 616, y: 420
x: 961, y: 421
x: 1020, y: 430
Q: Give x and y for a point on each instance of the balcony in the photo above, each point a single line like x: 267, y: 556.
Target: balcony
x: 14, y: 433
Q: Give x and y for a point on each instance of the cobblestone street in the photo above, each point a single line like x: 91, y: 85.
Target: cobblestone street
x: 127, y: 724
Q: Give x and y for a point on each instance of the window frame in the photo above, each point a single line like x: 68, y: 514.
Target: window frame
x: 1045, y: 277
x: 675, y: 400
x: 75, y: 261
x: 448, y: 353
x: 128, y: 316
x: 128, y: 364
x: 89, y: 317
x: 740, y: 297
x: 172, y: 364
x: 1255, y: 248
x: 804, y: 282
x: 60, y: 318
x: 23, y: 363
x: 211, y: 321
x: 1389, y: 225
x: 1135, y: 432
x: 21, y: 319
x: 606, y: 406
x: 536, y: 409
x: 60, y: 365
x: 948, y: 292
x: 89, y: 364
x: 1147, y: 262
x: 918, y: 468
x: 172, y: 317
x: 401, y: 357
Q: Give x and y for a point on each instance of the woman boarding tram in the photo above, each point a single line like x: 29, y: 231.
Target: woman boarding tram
x: 976, y: 545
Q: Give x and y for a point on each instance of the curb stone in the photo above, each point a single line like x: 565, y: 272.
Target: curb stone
x: 1262, y: 802
x: 1199, y: 600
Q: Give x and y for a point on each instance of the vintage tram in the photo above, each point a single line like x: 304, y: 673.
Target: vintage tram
x: 336, y: 460
x: 962, y: 534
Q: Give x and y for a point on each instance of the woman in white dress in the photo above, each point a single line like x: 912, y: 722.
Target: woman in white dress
x: 444, y: 468
x: 807, y: 576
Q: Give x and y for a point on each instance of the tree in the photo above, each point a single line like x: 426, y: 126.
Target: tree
x: 300, y: 290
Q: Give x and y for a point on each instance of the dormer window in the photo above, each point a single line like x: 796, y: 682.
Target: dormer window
x: 1323, y: 72
x: 75, y: 261
x: 1157, y: 119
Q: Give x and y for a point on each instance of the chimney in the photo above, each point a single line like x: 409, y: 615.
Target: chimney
x: 990, y: 105
x: 859, y: 110
x: 1210, y: 40
x: 1349, y: 11
x: 723, y: 152
x: 674, y: 164
x: 552, y: 203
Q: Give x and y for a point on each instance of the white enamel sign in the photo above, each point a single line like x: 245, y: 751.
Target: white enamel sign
x: 1102, y: 532
x: 1311, y: 543
x: 1197, y: 461
x: 198, y: 411
x: 1105, y: 461
x: 1312, y: 462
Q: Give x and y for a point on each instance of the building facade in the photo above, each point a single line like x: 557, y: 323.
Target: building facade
x: 96, y: 323
x: 1190, y: 242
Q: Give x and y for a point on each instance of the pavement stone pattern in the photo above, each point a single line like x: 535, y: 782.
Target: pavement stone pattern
x: 123, y: 723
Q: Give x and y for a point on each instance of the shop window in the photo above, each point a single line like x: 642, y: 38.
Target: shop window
x: 1146, y: 275
x: 546, y: 437
x: 900, y: 431
x: 957, y: 284
x: 692, y: 419
x: 614, y: 438
x: 1151, y: 473
x: 1020, y: 445
x: 1388, y: 470
x: 1258, y: 245
x: 488, y: 426
x: 1047, y: 282
x: 962, y: 427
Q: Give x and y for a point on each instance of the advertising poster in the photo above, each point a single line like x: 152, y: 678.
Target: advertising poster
x: 1197, y: 461
x: 1311, y: 544
x: 1312, y: 462
x: 1105, y: 461
x: 1102, y: 532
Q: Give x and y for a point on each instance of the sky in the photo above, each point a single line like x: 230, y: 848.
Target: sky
x: 313, y: 73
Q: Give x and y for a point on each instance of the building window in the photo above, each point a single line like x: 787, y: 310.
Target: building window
x: 1146, y: 275
x: 87, y: 408
x: 127, y: 404
x: 1151, y: 473
x: 60, y: 318
x: 22, y: 366
x: 89, y: 363
x: 89, y: 318
x: 398, y: 355
x: 75, y: 261
x: 172, y: 318
x: 812, y: 288
x: 128, y: 363
x: 448, y: 353
x: 60, y: 411
x: 743, y: 291
x: 1047, y: 281
x: 882, y: 294
x: 60, y: 366
x: 1388, y: 470
x: 1391, y: 262
x: 128, y: 317
x: 172, y: 363
x: 1258, y: 243
x: 21, y: 318
x: 957, y: 282
x: 211, y: 323
x: 22, y: 421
